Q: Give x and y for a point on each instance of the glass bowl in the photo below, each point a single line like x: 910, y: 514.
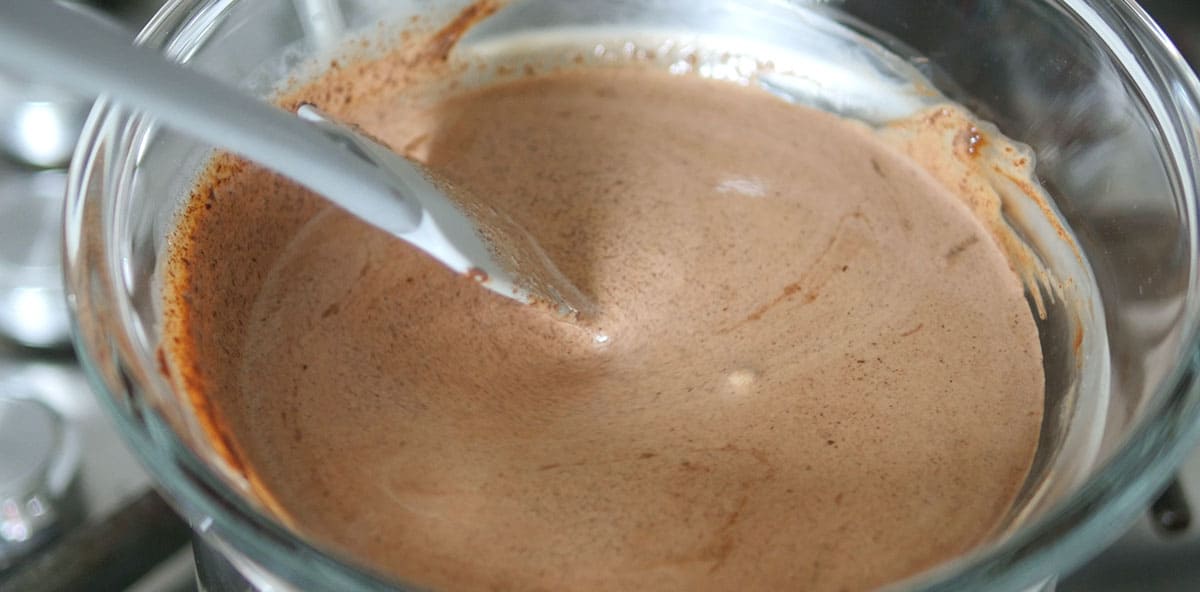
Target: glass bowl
x: 1091, y: 85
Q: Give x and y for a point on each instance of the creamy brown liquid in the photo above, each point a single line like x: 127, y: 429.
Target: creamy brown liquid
x: 813, y: 367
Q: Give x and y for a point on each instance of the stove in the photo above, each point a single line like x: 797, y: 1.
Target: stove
x: 91, y: 521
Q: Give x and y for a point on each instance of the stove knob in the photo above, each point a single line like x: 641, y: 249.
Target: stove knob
x: 33, y: 309
x: 39, y: 491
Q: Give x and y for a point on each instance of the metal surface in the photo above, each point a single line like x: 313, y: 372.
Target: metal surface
x: 1147, y: 559
x: 106, y: 472
x: 39, y: 457
x: 33, y: 312
x: 110, y: 554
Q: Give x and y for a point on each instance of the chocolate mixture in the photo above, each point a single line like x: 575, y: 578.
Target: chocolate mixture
x: 813, y: 368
